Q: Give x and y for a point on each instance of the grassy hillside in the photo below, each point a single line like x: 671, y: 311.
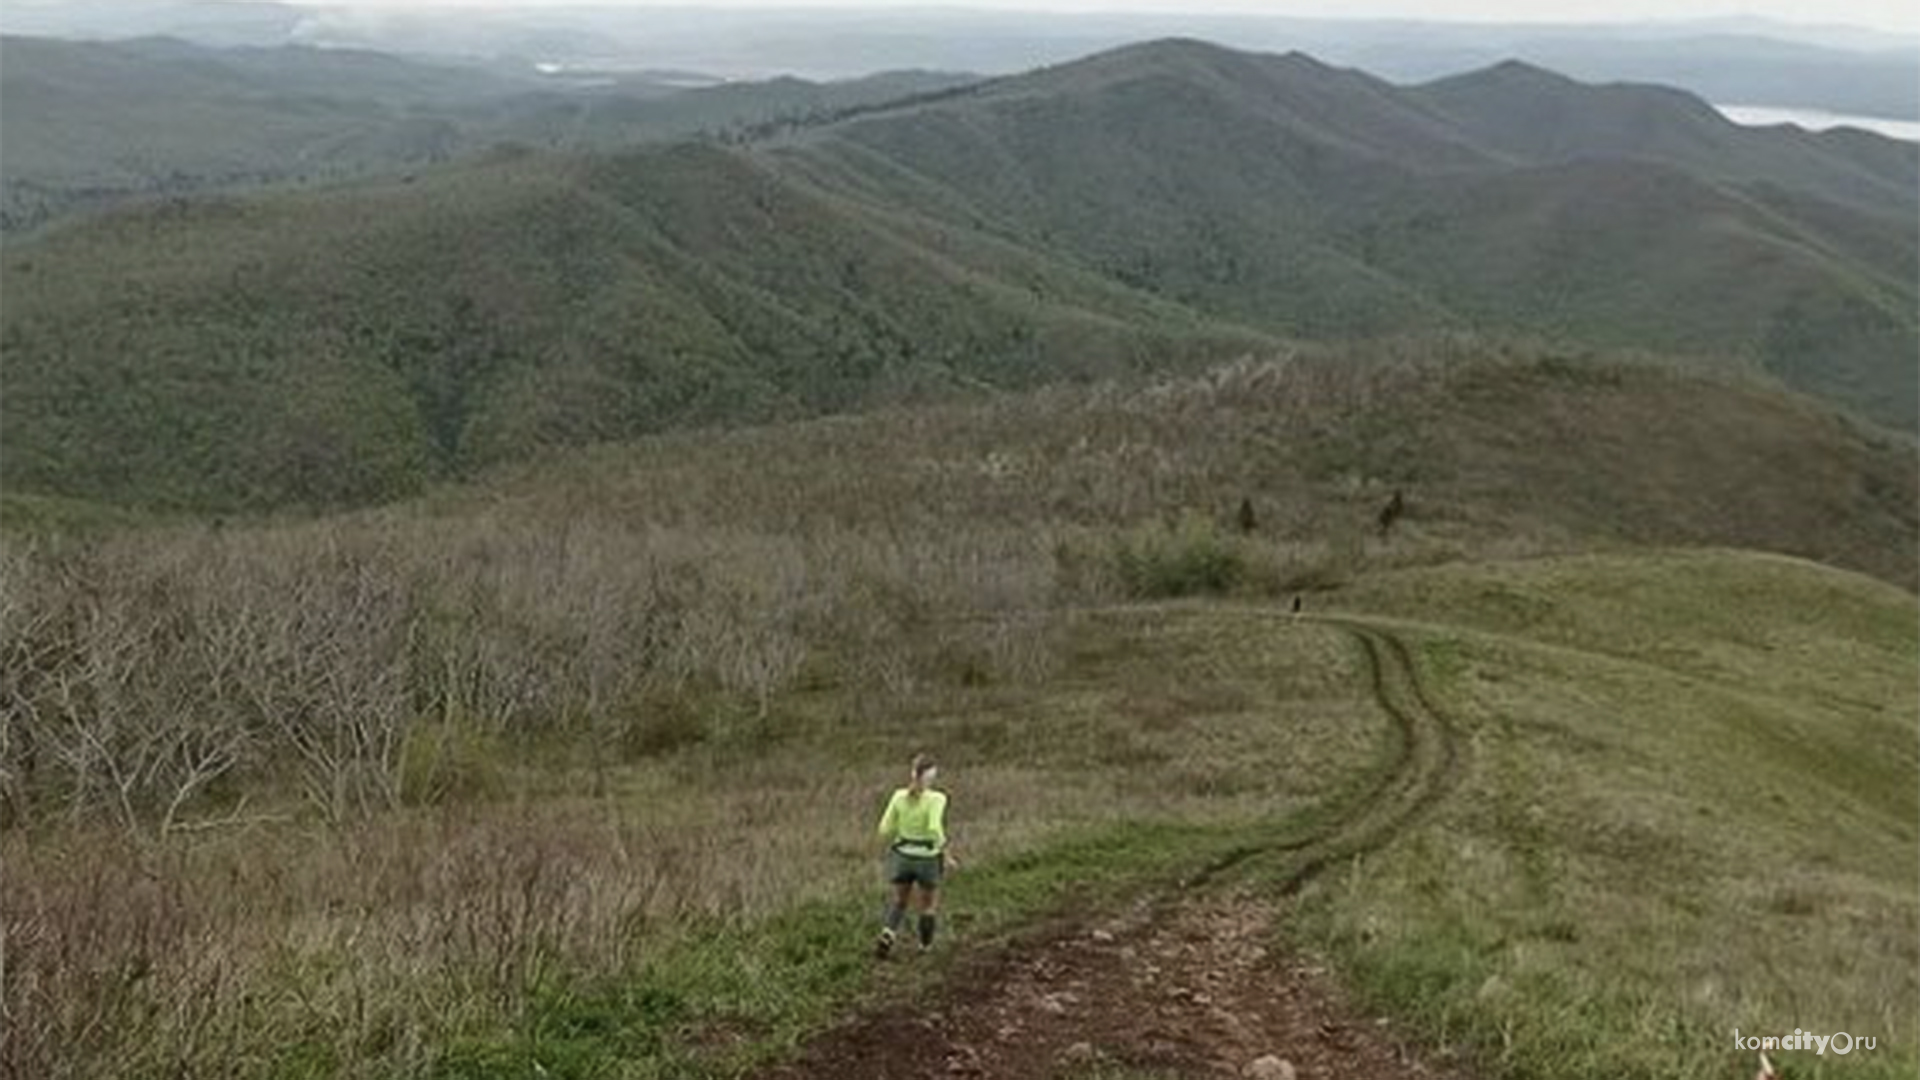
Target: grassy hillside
x: 1496, y: 451
x: 435, y: 789
x: 762, y: 546
x: 1673, y: 758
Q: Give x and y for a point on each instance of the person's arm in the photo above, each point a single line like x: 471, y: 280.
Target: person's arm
x: 890, y: 820
x: 947, y: 857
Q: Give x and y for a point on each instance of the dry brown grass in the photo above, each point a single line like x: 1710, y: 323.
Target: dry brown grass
x: 207, y: 950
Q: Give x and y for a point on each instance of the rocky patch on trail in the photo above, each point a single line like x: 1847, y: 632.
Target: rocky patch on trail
x: 1194, y: 990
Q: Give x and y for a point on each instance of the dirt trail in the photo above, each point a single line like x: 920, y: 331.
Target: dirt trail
x: 1188, y: 983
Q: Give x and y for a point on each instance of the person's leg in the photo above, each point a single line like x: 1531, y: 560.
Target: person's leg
x: 896, y: 912
x: 897, y: 904
x: 929, y: 891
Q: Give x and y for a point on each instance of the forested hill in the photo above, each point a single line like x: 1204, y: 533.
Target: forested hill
x: 1156, y: 207
x: 1308, y: 199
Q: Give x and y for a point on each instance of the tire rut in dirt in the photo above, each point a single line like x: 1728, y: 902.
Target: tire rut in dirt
x: 1430, y: 757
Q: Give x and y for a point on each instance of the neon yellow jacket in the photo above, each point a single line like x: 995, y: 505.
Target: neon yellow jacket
x: 915, y: 826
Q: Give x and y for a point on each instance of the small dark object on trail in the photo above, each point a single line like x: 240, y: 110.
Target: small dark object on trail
x: 1296, y: 603
x: 1247, y: 521
x: 1390, y: 513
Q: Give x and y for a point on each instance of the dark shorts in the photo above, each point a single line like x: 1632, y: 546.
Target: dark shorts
x: 921, y: 870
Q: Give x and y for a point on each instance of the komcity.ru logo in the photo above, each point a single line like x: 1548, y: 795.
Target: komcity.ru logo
x: 1839, y: 1042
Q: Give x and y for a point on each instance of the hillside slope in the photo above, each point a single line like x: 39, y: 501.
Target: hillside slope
x: 1155, y: 207
x: 1317, y: 201
x: 1541, y: 117
x: 1670, y: 751
x: 1496, y: 451
x: 349, y: 347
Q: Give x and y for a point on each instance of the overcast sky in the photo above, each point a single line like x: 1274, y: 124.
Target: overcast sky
x: 1897, y: 15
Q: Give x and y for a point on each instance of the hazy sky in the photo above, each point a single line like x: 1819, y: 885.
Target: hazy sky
x: 1899, y: 15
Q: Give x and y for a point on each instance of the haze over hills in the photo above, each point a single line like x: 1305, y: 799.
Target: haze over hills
x: 1319, y: 200
x: 1155, y: 207
x: 1728, y: 60
x: 86, y: 125
x: 141, y: 102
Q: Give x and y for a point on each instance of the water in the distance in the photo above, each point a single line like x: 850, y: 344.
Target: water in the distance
x: 1817, y: 120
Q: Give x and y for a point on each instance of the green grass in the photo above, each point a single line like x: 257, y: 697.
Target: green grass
x: 1647, y: 852
x: 1500, y: 450
x: 1690, y: 807
x: 732, y: 994
x: 1190, y: 557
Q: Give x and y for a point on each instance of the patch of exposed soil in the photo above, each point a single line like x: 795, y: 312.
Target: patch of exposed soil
x: 1195, y: 991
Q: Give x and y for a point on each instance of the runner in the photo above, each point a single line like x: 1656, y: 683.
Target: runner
x: 915, y: 831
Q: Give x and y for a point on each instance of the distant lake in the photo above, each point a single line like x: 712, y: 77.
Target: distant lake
x: 1817, y: 120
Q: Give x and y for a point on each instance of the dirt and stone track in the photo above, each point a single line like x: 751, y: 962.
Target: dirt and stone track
x: 1190, y: 982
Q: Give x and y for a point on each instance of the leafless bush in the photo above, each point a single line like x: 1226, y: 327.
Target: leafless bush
x: 115, y: 701
x: 160, y: 679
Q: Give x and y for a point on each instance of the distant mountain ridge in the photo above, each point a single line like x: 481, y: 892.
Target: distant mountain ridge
x: 87, y: 125
x: 1151, y: 208
x: 1543, y: 117
x: 1313, y: 200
